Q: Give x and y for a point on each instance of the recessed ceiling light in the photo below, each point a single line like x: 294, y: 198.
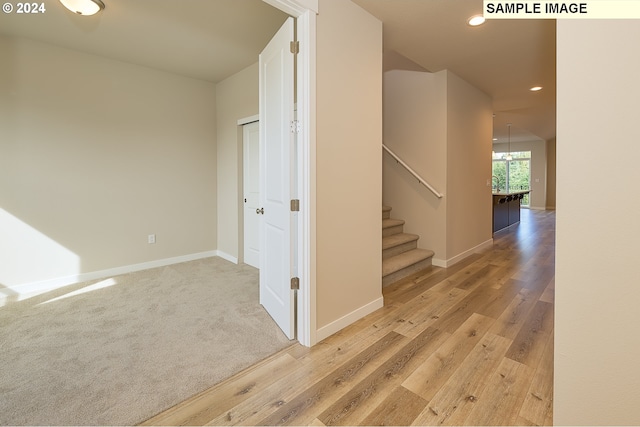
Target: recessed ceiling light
x: 476, y: 20
x: 83, y: 7
x: 535, y: 88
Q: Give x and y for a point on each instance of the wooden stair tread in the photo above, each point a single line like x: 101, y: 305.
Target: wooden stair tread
x: 388, y: 223
x: 400, y: 256
x: 398, y: 239
x: 398, y: 262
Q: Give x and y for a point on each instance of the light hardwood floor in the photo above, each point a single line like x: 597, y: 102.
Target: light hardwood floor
x: 468, y: 345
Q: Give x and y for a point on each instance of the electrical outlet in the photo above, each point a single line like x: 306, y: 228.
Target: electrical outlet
x: 151, y: 238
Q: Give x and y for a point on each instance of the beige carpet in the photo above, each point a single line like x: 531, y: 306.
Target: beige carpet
x: 132, y: 346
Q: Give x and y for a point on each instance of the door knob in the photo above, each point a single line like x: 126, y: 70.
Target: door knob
x: 260, y: 211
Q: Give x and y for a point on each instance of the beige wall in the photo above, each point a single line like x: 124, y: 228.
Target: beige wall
x: 415, y: 128
x: 96, y: 154
x: 237, y: 98
x: 469, y: 138
x: 539, y: 168
x: 348, y: 180
x: 441, y: 127
x: 597, y: 380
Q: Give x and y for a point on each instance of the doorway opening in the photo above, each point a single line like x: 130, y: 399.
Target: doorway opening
x: 513, y: 174
x: 299, y: 267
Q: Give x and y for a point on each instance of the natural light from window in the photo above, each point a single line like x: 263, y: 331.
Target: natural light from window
x: 512, y: 175
x: 100, y: 285
x: 27, y: 255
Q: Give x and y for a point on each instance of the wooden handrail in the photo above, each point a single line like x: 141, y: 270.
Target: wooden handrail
x: 412, y: 172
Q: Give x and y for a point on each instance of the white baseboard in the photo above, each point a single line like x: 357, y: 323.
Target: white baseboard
x: 445, y: 263
x: 437, y: 262
x: 28, y: 290
x: 226, y: 256
x: 348, y: 319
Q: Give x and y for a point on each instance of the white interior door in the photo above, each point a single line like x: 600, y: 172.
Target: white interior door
x: 276, y: 148
x: 251, y: 192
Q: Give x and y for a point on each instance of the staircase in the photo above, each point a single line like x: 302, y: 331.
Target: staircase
x: 400, y: 254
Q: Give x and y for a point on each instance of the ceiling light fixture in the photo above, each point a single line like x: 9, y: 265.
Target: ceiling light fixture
x: 535, y: 88
x: 509, y: 156
x: 476, y: 20
x: 83, y: 7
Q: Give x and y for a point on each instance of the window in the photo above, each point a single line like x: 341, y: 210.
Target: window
x: 513, y: 175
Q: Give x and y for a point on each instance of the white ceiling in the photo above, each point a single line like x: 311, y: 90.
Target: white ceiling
x: 204, y: 39
x: 503, y: 58
x: 213, y: 39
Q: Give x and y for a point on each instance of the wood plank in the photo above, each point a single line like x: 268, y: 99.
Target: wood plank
x: 505, y: 392
x: 434, y: 280
x: 427, y: 379
x: 515, y: 315
x: 535, y: 277
x: 481, y: 276
x: 302, y: 409
x: 529, y: 344
x: 455, y: 277
x: 364, y: 397
x: 549, y: 294
x: 456, y: 398
x: 299, y: 381
x: 361, y: 328
x: 400, y: 408
x: 494, y: 305
x: 538, y: 404
x: 343, y: 345
x: 524, y: 422
x: 392, y: 318
x: 506, y: 273
x: 484, y: 300
x: 397, y: 292
x: 428, y: 308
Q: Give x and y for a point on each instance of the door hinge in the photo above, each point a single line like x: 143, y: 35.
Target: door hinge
x: 295, y: 205
x: 296, y: 127
x: 295, y: 283
x: 294, y: 47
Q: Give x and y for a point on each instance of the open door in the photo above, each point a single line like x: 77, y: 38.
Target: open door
x: 276, y: 156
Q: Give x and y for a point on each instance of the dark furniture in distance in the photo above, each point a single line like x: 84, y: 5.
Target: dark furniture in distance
x: 506, y: 209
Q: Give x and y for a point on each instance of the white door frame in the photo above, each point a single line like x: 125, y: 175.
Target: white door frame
x: 240, y: 257
x: 249, y: 203
x: 305, y: 11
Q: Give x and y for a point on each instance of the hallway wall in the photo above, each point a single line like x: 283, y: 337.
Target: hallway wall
x: 596, y: 339
x: 349, y: 154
